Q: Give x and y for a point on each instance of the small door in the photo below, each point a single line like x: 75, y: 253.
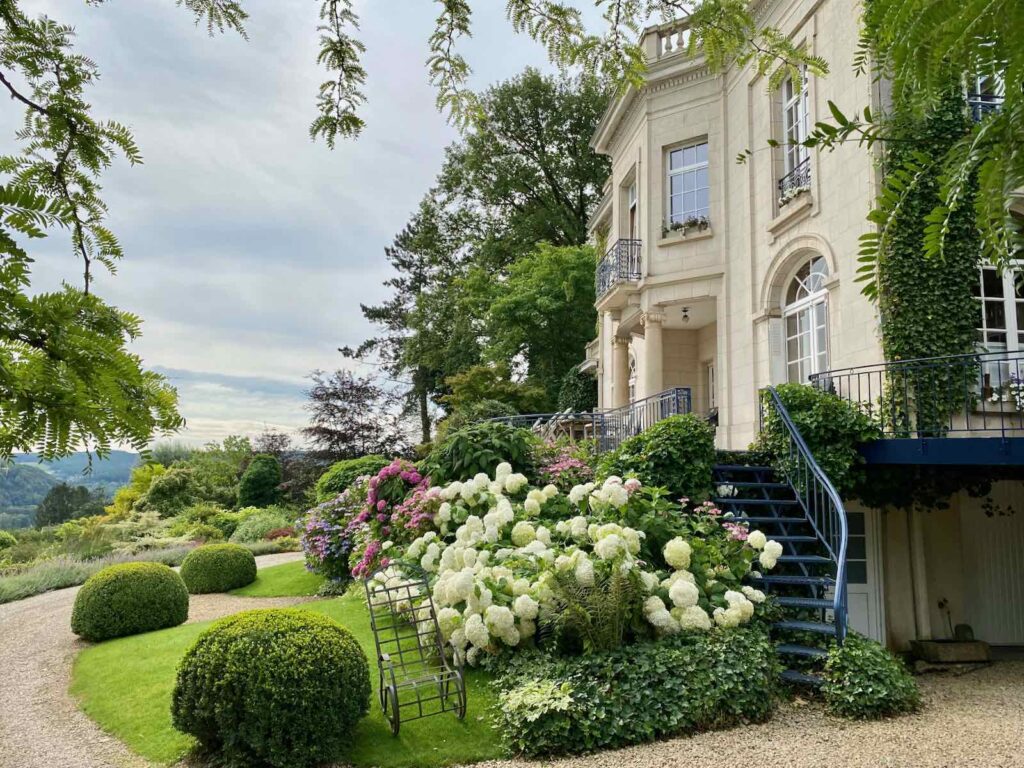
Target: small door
x: 863, y: 574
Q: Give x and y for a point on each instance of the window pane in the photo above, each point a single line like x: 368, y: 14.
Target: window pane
x: 689, y: 155
x: 857, y: 573
x: 701, y: 175
x: 702, y: 203
x: 689, y: 202
x: 856, y: 549
x: 792, y: 349
x: 702, y: 153
x: 675, y: 159
x: 1020, y: 314
x: 995, y: 314
x: 675, y: 184
x: 689, y: 182
x: 855, y: 523
x: 992, y: 283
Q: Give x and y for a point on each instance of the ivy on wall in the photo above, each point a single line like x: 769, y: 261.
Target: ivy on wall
x: 927, y: 304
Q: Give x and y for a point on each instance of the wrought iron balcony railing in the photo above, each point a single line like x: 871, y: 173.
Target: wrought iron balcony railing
x: 937, y: 396
x: 620, y: 265
x: 609, y: 427
x: 796, y: 181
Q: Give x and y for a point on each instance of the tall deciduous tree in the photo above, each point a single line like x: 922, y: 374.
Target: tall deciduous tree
x: 526, y: 164
x: 544, y: 315
x: 351, y: 417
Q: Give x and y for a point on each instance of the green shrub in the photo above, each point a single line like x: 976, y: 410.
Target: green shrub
x: 864, y: 681
x: 257, y: 523
x: 832, y: 428
x: 127, y: 599
x: 7, y: 540
x: 203, y: 532
x: 218, y: 568
x: 578, y: 392
x: 260, y: 484
x: 676, y: 453
x: 277, y: 687
x: 481, y: 448
x: 342, y: 474
x: 681, y: 684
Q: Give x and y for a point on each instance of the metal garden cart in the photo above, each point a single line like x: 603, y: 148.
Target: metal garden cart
x: 417, y: 678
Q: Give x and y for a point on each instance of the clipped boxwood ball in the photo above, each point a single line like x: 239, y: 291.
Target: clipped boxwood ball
x: 281, y: 687
x: 218, y: 568
x: 127, y: 599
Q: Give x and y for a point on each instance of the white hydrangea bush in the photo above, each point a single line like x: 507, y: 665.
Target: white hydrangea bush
x: 501, y: 546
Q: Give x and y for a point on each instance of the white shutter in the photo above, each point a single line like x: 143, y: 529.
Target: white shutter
x: 777, y: 351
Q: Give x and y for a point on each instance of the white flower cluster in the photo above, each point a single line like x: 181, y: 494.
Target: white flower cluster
x: 770, y: 550
x: 494, y: 562
x: 685, y: 613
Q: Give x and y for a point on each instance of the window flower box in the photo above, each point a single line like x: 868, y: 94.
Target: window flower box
x: 690, y: 226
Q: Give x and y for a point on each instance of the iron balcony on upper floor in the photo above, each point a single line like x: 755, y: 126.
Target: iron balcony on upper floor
x: 620, y: 265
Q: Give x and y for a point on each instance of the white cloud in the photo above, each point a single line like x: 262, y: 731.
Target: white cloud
x: 249, y: 248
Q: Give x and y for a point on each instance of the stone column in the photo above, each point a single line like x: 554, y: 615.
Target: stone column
x: 653, y: 355
x: 620, y: 372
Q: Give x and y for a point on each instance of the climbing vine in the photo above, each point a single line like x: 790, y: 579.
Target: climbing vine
x: 927, y: 303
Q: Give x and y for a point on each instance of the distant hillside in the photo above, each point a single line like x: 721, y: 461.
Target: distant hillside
x: 24, y: 486
x: 110, y: 473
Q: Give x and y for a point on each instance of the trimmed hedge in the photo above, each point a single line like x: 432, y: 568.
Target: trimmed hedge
x: 864, y: 681
x: 128, y: 599
x: 676, y: 453
x: 279, y: 687
x: 681, y: 684
x: 218, y: 568
x: 342, y: 474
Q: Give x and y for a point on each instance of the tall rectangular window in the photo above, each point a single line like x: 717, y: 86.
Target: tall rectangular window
x: 795, y: 123
x: 687, y: 183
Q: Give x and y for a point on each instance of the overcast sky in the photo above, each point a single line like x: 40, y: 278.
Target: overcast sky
x: 249, y: 248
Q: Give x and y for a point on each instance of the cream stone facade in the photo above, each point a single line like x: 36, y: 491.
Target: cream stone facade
x: 760, y: 289
x: 730, y: 278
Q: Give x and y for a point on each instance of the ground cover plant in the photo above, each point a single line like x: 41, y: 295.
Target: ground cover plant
x: 863, y: 681
x: 129, y: 599
x: 125, y: 685
x: 682, y: 684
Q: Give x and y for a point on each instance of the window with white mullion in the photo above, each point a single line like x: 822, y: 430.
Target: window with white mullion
x: 806, y: 322
x: 688, y: 185
x: 795, y: 122
x: 1002, y: 310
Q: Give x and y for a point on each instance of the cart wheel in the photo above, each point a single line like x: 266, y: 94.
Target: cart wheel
x: 382, y: 694
x: 460, y: 691
x: 394, y: 718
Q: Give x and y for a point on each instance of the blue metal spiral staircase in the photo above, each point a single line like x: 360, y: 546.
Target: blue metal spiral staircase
x: 800, y: 509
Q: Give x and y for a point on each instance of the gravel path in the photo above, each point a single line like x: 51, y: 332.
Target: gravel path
x: 975, y: 719
x: 40, y: 724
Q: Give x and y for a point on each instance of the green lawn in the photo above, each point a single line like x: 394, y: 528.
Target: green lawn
x: 125, y: 685
x: 287, y: 580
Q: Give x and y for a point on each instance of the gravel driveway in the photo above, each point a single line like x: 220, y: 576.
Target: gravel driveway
x: 40, y: 724
x: 974, y: 719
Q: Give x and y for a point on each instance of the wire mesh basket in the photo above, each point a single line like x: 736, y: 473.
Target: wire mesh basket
x: 416, y: 677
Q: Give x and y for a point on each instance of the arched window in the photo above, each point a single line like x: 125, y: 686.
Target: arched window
x: 806, y: 317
